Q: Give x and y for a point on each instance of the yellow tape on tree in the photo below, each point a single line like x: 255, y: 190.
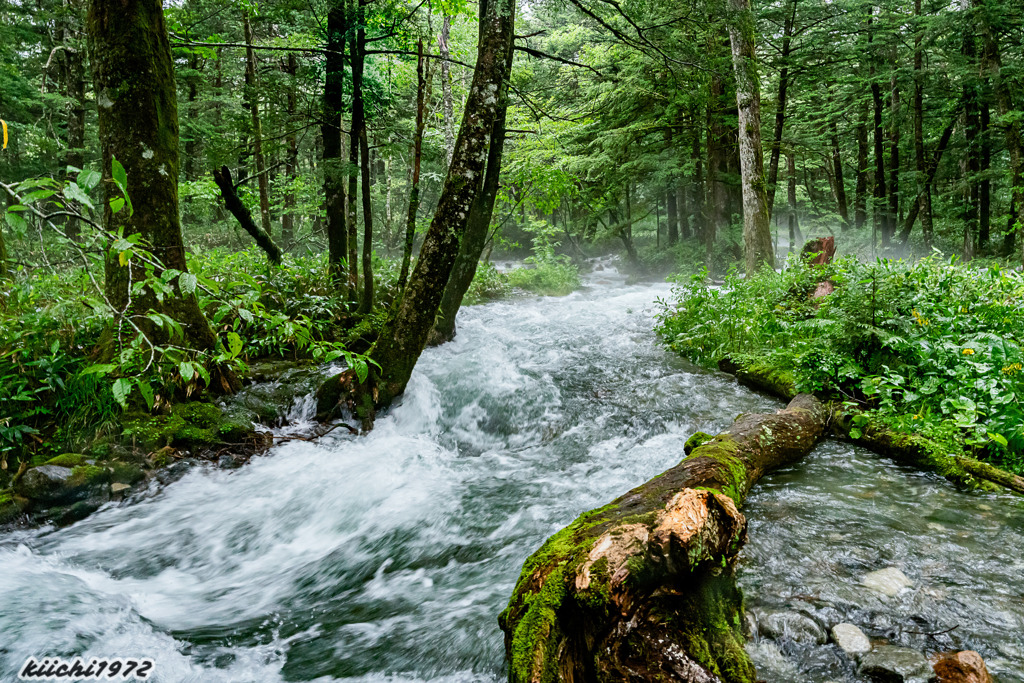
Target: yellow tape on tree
x: 4, y: 124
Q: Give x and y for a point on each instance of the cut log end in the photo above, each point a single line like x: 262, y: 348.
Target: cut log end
x: 643, y: 589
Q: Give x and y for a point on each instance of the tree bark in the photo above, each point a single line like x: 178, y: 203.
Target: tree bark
x: 894, y: 157
x: 73, y: 77
x: 860, y: 199
x: 838, y: 180
x: 794, y: 225
x: 335, y: 173
x: 923, y: 187
x: 671, y: 210
x: 992, y: 66
x: 447, y: 106
x: 291, y: 155
x: 477, y: 229
x: 252, y: 95
x: 404, y: 337
x: 359, y: 129
x: 923, y: 199
x: 234, y: 204
x: 417, y: 155
x: 138, y: 125
x: 351, y: 213
x: 780, y: 108
x: 757, y: 237
x: 643, y: 589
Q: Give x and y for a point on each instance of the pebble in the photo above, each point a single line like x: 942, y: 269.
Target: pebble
x: 851, y: 640
x: 889, y: 581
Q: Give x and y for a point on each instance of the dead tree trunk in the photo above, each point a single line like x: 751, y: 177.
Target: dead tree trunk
x: 405, y: 335
x: 757, y: 236
x: 234, y: 204
x: 643, y: 589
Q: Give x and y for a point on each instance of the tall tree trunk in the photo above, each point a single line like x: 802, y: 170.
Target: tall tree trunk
x: 860, y: 198
x: 359, y: 129
x: 477, y: 228
x: 673, y: 225
x: 447, y: 106
x: 839, y: 182
x: 923, y: 199
x: 757, y: 237
x: 138, y: 125
x: 992, y: 66
x: 73, y: 80
x: 894, y: 158
x: 697, y: 186
x: 985, y: 183
x: 351, y: 212
x: 404, y: 337
x: 291, y: 164
x: 417, y: 155
x: 252, y: 96
x: 923, y: 187
x: 794, y: 226
x: 972, y: 120
x: 780, y: 108
x: 879, y: 205
x: 683, y: 209
x: 334, y: 169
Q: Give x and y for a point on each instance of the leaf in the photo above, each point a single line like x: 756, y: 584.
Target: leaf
x: 116, y: 204
x: 361, y: 368
x: 73, y: 192
x: 234, y: 344
x: 245, y: 314
x: 147, y: 393
x: 119, y: 174
x: 88, y: 180
x: 122, y: 387
x: 187, y: 282
x: 998, y: 438
x: 99, y: 369
x: 187, y: 370
x: 17, y: 223
x: 856, y: 433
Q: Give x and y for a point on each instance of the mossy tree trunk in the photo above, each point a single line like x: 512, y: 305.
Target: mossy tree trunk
x: 253, y: 100
x: 359, y: 131
x: 422, y: 80
x: 757, y: 236
x: 138, y: 125
x: 477, y: 229
x: 643, y: 588
x: 402, y: 340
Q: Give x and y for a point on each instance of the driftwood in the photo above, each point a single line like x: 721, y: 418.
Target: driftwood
x: 643, y: 589
x: 234, y: 204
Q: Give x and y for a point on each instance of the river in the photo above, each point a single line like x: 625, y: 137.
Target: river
x: 388, y: 557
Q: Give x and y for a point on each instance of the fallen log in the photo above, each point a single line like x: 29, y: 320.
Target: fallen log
x: 643, y: 589
x: 908, y: 449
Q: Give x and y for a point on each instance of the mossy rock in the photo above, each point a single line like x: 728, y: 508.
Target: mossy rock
x: 195, y: 426
x: 11, y: 507
x: 70, y: 460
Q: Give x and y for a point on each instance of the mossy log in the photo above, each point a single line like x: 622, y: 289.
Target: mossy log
x: 643, y: 589
x: 907, y: 449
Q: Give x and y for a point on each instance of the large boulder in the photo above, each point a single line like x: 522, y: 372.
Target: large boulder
x: 889, y: 581
x: 891, y: 664
x: 961, y: 667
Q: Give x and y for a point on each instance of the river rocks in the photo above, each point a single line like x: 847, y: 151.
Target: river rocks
x: 961, y: 667
x: 45, y: 483
x: 889, y: 581
x: 795, y: 626
x: 194, y: 426
x: 851, y: 640
x: 891, y: 664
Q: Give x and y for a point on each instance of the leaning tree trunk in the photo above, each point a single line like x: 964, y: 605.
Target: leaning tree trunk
x: 233, y: 203
x: 477, y: 229
x: 138, y: 125
x: 643, y: 589
x: 757, y: 236
x: 405, y: 335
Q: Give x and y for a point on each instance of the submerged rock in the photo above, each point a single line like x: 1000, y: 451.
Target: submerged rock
x: 889, y: 581
x: 891, y: 664
x: 851, y: 640
x: 961, y: 667
x: 795, y: 626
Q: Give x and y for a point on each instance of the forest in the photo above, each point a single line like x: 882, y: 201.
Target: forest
x: 436, y: 340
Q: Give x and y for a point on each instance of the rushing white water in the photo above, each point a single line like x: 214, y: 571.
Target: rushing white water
x: 388, y: 557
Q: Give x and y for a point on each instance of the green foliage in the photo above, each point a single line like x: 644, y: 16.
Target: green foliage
x: 555, y: 276
x: 488, y: 284
x: 933, y: 347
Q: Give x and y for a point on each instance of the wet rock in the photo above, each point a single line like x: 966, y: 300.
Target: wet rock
x: 750, y: 628
x: 118, y: 488
x: 795, y: 626
x: 44, y: 483
x: 851, y: 640
x: 891, y: 664
x: 961, y: 667
x: 889, y: 581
